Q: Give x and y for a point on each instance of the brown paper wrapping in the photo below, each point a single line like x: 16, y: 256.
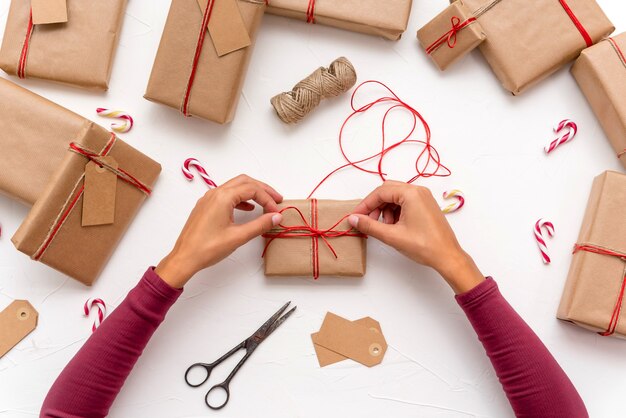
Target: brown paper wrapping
x: 293, y: 256
x: 467, y: 38
x: 601, y: 75
x: 34, y: 140
x: 81, y: 252
x: 219, y: 80
x: 388, y: 18
x: 594, y: 280
x: 79, y: 52
x: 529, y: 40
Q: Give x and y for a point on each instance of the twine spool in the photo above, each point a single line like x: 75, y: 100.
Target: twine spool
x: 294, y: 105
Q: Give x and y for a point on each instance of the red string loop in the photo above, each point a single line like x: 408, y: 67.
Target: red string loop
x: 313, y: 231
x: 620, y: 297
x: 450, y: 37
x: 427, y: 163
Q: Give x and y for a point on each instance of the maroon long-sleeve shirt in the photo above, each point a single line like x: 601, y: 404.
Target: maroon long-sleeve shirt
x: 533, y: 381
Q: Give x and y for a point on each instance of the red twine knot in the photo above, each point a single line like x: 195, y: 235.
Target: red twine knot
x: 450, y: 37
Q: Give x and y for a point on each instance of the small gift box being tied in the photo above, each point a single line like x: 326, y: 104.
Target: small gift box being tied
x: 203, y: 56
x: 601, y: 74
x: 594, y: 291
x: 315, y: 239
x: 529, y: 40
x: 451, y: 35
x: 388, y: 18
x: 68, y: 41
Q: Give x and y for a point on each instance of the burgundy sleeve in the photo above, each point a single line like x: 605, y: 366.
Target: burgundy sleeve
x: 90, y: 382
x: 533, y: 381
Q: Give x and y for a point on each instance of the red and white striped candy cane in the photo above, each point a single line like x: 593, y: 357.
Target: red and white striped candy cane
x: 193, y: 163
x: 453, y: 207
x: 124, y: 125
x: 541, y: 243
x: 102, y: 311
x: 572, y: 129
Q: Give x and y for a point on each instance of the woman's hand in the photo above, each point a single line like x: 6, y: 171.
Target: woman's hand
x: 210, y: 234
x: 413, y: 224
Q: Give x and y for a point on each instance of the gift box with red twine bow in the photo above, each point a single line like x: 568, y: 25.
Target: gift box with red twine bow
x: 315, y: 239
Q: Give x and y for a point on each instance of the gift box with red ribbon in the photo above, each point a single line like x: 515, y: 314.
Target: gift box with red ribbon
x: 451, y: 35
x: 203, y: 56
x: 388, y: 18
x: 529, y: 40
x: 68, y: 41
x: 601, y: 74
x: 315, y: 239
x: 594, y: 292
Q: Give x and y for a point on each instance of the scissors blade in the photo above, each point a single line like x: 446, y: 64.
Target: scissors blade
x: 262, y: 332
x: 279, y: 322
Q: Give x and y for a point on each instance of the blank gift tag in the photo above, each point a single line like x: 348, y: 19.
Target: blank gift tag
x: 357, y: 342
x: 17, y: 321
x: 49, y: 11
x: 99, y: 195
x: 326, y: 357
x: 226, y: 26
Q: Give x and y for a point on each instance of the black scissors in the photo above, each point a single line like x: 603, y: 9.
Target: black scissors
x: 250, y: 344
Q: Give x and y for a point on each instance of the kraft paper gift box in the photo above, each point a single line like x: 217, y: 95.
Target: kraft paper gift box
x: 529, y: 40
x: 451, y: 35
x: 56, y: 231
x: 34, y: 135
x: 76, y: 48
x: 388, y: 18
x: 601, y: 74
x: 304, y: 242
x: 591, y: 298
x: 211, y: 87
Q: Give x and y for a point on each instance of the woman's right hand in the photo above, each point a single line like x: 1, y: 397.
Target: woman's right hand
x: 413, y: 224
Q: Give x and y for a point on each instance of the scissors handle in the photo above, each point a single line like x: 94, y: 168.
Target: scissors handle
x: 223, y: 387
x: 207, y: 368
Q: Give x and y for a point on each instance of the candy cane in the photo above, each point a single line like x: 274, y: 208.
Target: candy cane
x: 124, y: 125
x: 453, y: 207
x: 572, y: 130
x: 541, y: 243
x: 102, y: 311
x: 192, y: 162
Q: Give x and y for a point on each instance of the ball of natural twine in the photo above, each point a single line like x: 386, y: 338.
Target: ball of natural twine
x: 338, y: 78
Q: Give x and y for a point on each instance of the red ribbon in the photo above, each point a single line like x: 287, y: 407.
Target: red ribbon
x: 21, y: 67
x: 310, y: 12
x: 577, y: 23
x: 620, y: 297
x: 311, y: 230
x: 450, y: 36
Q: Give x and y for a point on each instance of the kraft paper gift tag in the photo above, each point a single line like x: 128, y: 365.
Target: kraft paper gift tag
x: 100, y: 190
x: 16, y: 321
x: 360, y: 341
x: 48, y: 11
x: 226, y: 27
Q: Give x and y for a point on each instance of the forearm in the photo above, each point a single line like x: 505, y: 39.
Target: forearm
x: 91, y: 381
x: 533, y: 381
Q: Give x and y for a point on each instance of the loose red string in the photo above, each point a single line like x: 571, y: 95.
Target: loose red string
x: 427, y: 163
x: 577, y: 23
x: 312, y: 231
x: 206, y: 17
x: 620, y: 297
x: 310, y: 12
x: 450, y: 36
x: 21, y: 68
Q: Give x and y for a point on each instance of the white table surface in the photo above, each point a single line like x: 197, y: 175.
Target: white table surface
x: 435, y: 366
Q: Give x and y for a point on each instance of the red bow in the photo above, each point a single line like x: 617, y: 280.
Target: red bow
x: 450, y: 36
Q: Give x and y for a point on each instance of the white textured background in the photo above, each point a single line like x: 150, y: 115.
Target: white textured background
x: 435, y: 367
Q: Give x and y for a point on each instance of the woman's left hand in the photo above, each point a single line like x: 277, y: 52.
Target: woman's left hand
x: 210, y: 234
